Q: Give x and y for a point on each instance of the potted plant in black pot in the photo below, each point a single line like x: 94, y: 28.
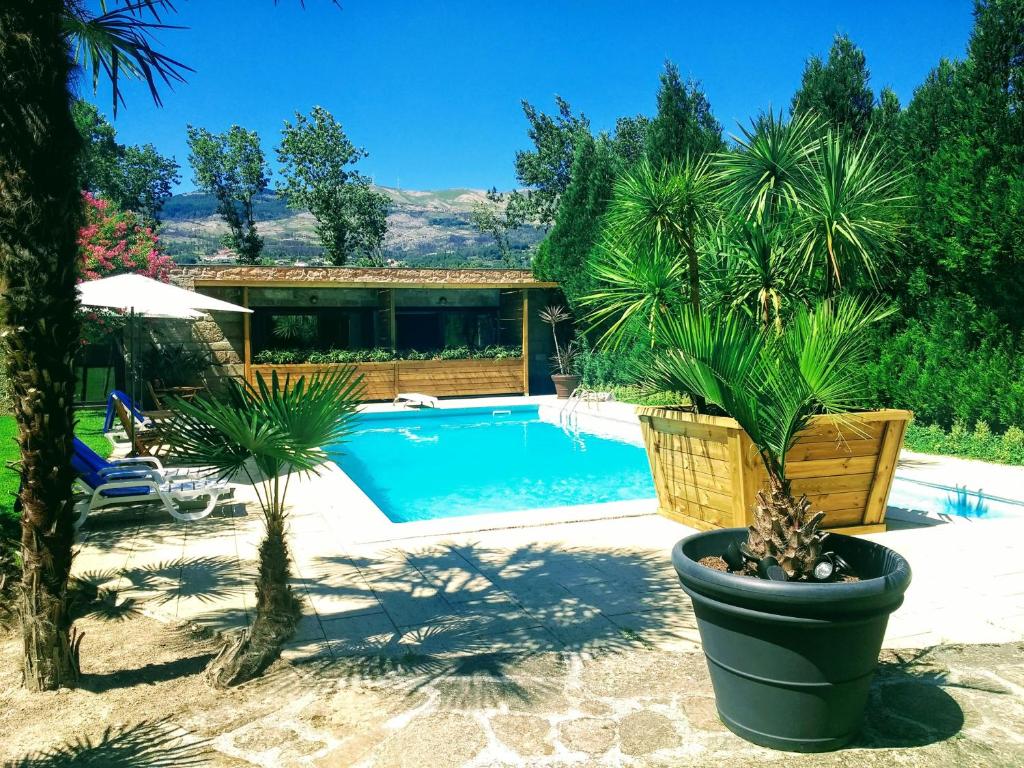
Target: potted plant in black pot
x: 563, y: 361
x: 791, y: 617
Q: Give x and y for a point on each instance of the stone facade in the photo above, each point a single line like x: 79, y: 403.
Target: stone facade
x: 384, y: 277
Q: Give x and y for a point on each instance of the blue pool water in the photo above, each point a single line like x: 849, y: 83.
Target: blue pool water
x: 472, y: 461
x: 920, y: 496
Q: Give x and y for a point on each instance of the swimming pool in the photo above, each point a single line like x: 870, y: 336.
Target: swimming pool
x: 473, y: 461
x: 942, y: 500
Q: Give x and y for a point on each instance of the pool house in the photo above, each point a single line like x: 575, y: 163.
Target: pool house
x: 447, y: 333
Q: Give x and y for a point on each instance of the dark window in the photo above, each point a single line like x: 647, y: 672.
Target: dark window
x: 432, y: 328
x: 312, y: 328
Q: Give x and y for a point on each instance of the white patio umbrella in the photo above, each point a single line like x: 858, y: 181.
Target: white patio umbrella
x: 142, y: 296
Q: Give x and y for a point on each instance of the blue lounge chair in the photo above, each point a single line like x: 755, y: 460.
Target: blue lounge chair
x: 140, y: 480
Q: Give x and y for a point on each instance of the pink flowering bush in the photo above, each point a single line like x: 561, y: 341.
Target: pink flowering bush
x: 114, y: 242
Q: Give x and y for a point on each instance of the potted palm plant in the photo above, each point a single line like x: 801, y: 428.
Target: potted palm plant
x: 795, y: 212
x: 563, y: 361
x: 265, y: 433
x: 791, y: 657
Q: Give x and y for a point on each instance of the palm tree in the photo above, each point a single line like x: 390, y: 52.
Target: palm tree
x: 838, y: 198
x: 850, y: 203
x: 788, y: 207
x: 266, y: 433
x: 669, y: 209
x: 39, y: 216
x: 772, y: 384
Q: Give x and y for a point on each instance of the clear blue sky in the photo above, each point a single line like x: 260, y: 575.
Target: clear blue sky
x: 432, y: 89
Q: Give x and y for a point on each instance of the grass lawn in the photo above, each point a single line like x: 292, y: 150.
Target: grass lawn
x: 89, y: 430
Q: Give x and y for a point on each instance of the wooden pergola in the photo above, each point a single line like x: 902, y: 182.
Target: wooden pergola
x: 514, y: 286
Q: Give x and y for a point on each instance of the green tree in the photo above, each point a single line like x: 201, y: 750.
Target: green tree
x: 499, y: 216
x: 684, y: 126
x: 564, y: 256
x: 629, y: 142
x: 317, y: 166
x: 837, y: 89
x: 40, y: 211
x: 231, y: 167
x: 546, y: 169
x: 135, y: 178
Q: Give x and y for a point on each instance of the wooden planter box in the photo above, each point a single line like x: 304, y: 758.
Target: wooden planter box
x: 440, y: 378
x: 707, y: 471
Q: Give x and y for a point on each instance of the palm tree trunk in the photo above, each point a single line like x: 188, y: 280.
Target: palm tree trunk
x: 40, y: 206
x: 277, y: 611
x: 693, y: 272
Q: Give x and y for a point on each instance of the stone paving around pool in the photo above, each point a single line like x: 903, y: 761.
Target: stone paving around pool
x: 562, y: 644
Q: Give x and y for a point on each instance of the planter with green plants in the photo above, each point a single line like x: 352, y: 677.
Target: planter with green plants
x: 744, y: 274
x: 794, y: 215
x: 791, y: 617
x: 564, y: 374
x: 453, y: 371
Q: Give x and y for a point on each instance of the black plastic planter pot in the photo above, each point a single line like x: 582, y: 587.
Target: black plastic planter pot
x: 791, y: 662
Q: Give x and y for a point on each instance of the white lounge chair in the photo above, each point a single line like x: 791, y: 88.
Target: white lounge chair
x: 140, y: 481
x: 415, y: 400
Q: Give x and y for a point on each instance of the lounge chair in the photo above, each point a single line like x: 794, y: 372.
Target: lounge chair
x: 141, y: 480
x: 116, y: 396
x: 147, y: 437
x: 415, y: 400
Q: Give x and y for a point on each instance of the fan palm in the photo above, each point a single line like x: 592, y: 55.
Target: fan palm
x: 39, y: 215
x: 772, y: 384
x: 265, y: 433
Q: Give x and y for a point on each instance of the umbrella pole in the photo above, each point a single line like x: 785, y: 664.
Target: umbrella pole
x: 133, y: 379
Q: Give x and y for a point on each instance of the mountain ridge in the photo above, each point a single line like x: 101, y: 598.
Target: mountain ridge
x: 425, y: 228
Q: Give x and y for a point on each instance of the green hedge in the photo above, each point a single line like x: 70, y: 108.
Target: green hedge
x: 324, y: 357
x: 979, y: 443
x: 956, y: 366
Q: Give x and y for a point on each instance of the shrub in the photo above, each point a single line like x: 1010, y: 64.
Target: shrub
x: 114, y: 242
x: 455, y: 353
x: 979, y: 443
x: 607, y: 367
x: 957, y: 366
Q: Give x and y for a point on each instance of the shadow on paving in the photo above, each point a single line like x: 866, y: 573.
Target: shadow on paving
x: 909, y: 706
x: 149, y: 744
x: 469, y: 614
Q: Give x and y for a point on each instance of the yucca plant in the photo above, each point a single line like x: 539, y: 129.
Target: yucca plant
x: 669, y: 210
x: 266, y: 433
x: 772, y: 383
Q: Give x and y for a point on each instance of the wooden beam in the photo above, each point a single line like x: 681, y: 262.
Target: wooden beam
x: 303, y: 284
x: 246, y: 335
x: 526, y: 342
x: 392, y: 323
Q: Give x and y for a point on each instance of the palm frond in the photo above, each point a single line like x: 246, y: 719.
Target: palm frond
x: 634, y: 285
x: 850, y: 200
x: 761, y: 176
x: 279, y: 425
x: 119, y: 43
x: 771, y: 384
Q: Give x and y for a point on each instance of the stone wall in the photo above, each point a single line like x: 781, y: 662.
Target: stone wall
x: 187, y: 276
x: 218, y: 335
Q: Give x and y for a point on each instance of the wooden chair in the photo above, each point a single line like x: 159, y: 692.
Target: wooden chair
x: 147, y: 438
